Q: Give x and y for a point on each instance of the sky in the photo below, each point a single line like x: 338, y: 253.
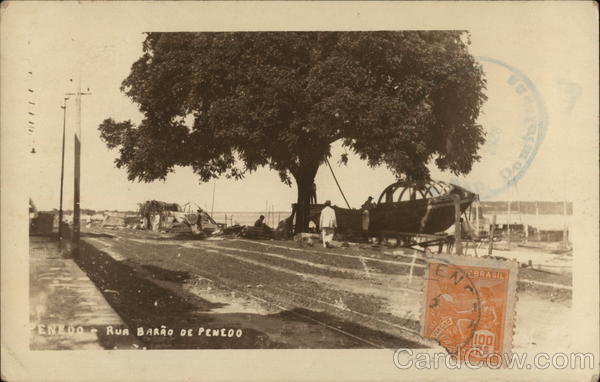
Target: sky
x: 96, y: 44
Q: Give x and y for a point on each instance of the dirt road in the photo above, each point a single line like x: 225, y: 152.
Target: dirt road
x: 279, y: 295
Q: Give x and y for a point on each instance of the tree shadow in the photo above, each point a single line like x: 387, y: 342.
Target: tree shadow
x: 166, y: 274
x: 148, y: 297
x: 98, y: 235
x: 180, y: 236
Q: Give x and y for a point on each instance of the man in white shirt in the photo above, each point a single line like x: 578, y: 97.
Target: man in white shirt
x: 328, y: 224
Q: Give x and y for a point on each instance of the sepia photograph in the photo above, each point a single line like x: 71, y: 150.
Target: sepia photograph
x: 241, y: 180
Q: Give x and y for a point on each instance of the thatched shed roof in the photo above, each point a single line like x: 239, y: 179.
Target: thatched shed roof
x: 150, y: 207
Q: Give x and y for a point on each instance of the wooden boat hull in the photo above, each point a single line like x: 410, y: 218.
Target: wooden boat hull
x: 427, y: 215
x: 412, y: 216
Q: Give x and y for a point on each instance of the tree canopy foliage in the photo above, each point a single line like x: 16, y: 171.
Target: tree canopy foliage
x: 228, y: 103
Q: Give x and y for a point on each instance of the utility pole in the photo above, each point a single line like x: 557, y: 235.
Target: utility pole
x: 457, y: 225
x: 77, y: 173
x: 212, y: 207
x: 62, y: 170
x: 492, y: 233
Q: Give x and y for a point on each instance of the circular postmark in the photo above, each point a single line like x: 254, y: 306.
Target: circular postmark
x: 453, y: 307
x: 515, y: 121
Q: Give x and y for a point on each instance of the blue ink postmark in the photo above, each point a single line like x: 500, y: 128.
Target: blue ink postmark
x: 513, y: 135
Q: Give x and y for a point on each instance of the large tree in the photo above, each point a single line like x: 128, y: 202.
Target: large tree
x: 228, y: 103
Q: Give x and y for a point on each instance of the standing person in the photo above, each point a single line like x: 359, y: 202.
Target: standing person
x: 313, y: 194
x: 201, y: 221
x: 366, y: 213
x: 328, y: 224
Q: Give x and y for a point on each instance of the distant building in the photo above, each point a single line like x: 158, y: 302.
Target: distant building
x: 546, y: 221
x: 528, y: 208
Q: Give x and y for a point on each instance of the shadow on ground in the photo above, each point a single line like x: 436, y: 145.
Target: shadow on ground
x: 148, y: 296
x: 97, y: 235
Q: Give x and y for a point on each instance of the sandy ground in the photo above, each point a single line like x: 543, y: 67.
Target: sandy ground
x: 284, y: 296
x: 183, y: 284
x: 540, y: 255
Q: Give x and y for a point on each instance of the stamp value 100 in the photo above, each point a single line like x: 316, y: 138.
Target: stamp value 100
x: 469, y: 306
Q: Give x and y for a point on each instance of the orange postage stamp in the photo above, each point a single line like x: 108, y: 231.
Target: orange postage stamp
x: 469, y: 306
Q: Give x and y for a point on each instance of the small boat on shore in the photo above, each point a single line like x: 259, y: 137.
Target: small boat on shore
x: 405, y: 207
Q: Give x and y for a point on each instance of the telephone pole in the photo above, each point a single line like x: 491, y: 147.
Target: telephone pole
x: 212, y: 207
x: 77, y: 173
x: 62, y: 170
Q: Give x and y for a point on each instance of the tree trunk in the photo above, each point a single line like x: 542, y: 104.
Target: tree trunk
x: 304, y: 180
x: 303, y: 203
